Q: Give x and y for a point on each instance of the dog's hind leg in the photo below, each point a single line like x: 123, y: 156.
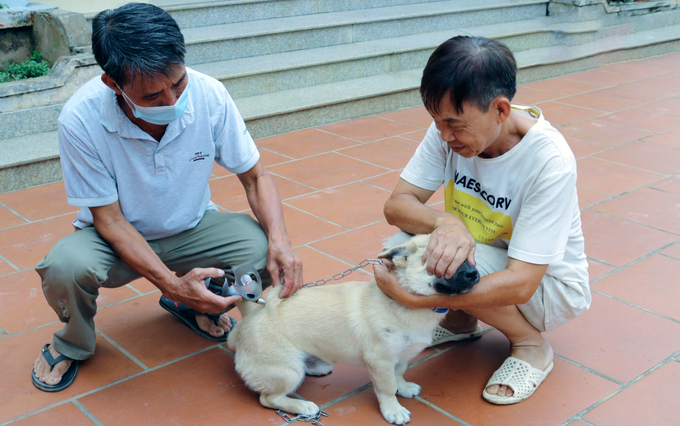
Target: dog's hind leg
x: 385, y: 384
x: 274, y: 381
x: 317, y: 367
x: 404, y: 388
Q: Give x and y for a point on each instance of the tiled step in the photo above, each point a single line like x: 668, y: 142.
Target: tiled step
x: 290, y: 70
x: 255, y: 38
x: 34, y: 158
x: 218, y: 12
x: 28, y: 161
x: 228, y: 12
x: 288, y: 110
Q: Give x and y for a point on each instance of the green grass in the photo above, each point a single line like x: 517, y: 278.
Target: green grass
x: 34, y: 67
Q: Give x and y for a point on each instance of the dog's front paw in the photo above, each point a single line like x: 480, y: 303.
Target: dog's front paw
x: 396, y: 414
x: 306, y: 408
x: 408, y: 390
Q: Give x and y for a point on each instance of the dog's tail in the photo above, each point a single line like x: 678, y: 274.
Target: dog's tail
x: 246, y: 308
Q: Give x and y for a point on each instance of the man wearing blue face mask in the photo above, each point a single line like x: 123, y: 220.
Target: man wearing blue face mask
x: 137, y: 149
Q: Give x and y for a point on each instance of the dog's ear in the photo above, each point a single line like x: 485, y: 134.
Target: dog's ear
x: 400, y: 253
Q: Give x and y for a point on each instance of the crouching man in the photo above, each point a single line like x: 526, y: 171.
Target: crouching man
x: 137, y: 149
x: 511, y: 209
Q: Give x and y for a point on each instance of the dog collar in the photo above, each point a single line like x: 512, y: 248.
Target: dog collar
x: 440, y: 310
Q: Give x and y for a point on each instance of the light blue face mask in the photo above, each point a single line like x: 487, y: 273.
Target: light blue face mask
x: 160, y: 115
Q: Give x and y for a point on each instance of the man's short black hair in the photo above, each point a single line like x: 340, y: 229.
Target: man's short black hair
x: 136, y: 38
x: 471, y: 69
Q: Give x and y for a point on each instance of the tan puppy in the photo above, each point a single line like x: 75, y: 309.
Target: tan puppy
x: 354, y: 323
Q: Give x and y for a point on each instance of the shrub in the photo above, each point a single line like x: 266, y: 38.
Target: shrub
x: 34, y: 67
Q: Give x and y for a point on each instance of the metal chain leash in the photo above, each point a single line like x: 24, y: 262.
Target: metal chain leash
x: 315, y: 419
x: 364, y: 263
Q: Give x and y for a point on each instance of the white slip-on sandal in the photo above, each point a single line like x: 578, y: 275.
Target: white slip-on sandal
x: 441, y: 335
x: 519, y: 376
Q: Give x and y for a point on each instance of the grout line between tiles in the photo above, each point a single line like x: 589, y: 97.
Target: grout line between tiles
x: 227, y: 350
x: 316, y: 191
x: 15, y: 213
x: 633, y: 262
x: 453, y: 346
x: 49, y: 407
x: 341, y: 233
x: 125, y: 379
x: 371, y: 141
x: 4, y: 259
x: 271, y: 151
x: 317, y: 216
x: 581, y: 419
x: 580, y: 414
x: 293, y: 181
x: 602, y: 262
x: 327, y: 254
x: 118, y: 302
x: 446, y: 413
x: 133, y: 288
x: 376, y: 186
x: 347, y: 395
x: 635, y: 306
x: 400, y: 122
x: 87, y: 413
x: 652, y: 188
x: 675, y: 234
x: 365, y: 161
x: 123, y: 350
x: 669, y: 256
x: 642, y: 169
x: 40, y: 220
x: 34, y: 328
x: 590, y: 370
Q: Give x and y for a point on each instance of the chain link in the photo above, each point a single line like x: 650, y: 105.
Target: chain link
x: 315, y: 419
x: 364, y: 263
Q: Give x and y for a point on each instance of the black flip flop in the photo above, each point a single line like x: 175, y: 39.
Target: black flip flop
x: 188, y: 317
x: 66, y: 379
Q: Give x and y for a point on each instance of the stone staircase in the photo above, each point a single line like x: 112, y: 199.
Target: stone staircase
x: 291, y: 64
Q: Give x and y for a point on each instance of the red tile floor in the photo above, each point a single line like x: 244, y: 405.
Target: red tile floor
x: 617, y: 364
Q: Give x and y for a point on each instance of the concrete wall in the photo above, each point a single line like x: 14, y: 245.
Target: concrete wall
x: 16, y: 45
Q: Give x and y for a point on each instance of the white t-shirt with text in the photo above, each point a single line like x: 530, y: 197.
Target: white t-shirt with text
x: 524, y: 200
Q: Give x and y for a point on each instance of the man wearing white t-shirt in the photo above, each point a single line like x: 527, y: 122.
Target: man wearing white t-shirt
x: 137, y: 148
x: 511, y: 209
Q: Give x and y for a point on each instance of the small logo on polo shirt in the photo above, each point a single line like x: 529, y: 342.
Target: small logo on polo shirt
x: 198, y: 156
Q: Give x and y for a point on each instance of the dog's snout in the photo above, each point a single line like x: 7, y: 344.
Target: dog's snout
x: 472, y: 276
x: 461, y: 282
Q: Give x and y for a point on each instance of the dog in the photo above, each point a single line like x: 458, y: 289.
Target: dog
x: 354, y: 323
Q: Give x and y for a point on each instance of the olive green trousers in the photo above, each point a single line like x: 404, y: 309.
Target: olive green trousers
x: 81, y: 263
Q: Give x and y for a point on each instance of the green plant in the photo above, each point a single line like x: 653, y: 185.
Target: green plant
x: 34, y: 67
x: 3, y: 5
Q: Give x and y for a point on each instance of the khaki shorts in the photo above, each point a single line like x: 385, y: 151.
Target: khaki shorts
x: 554, y: 303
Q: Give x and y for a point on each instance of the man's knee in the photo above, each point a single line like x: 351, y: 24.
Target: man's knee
x: 255, y: 245
x: 62, y: 274
x: 63, y: 268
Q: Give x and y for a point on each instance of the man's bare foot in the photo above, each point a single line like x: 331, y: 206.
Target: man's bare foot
x: 41, y: 368
x: 538, y: 353
x: 208, y: 325
x: 459, y: 322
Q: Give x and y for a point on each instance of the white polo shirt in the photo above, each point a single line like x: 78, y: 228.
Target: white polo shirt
x: 162, y: 187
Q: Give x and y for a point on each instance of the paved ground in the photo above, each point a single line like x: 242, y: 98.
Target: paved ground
x: 617, y: 364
